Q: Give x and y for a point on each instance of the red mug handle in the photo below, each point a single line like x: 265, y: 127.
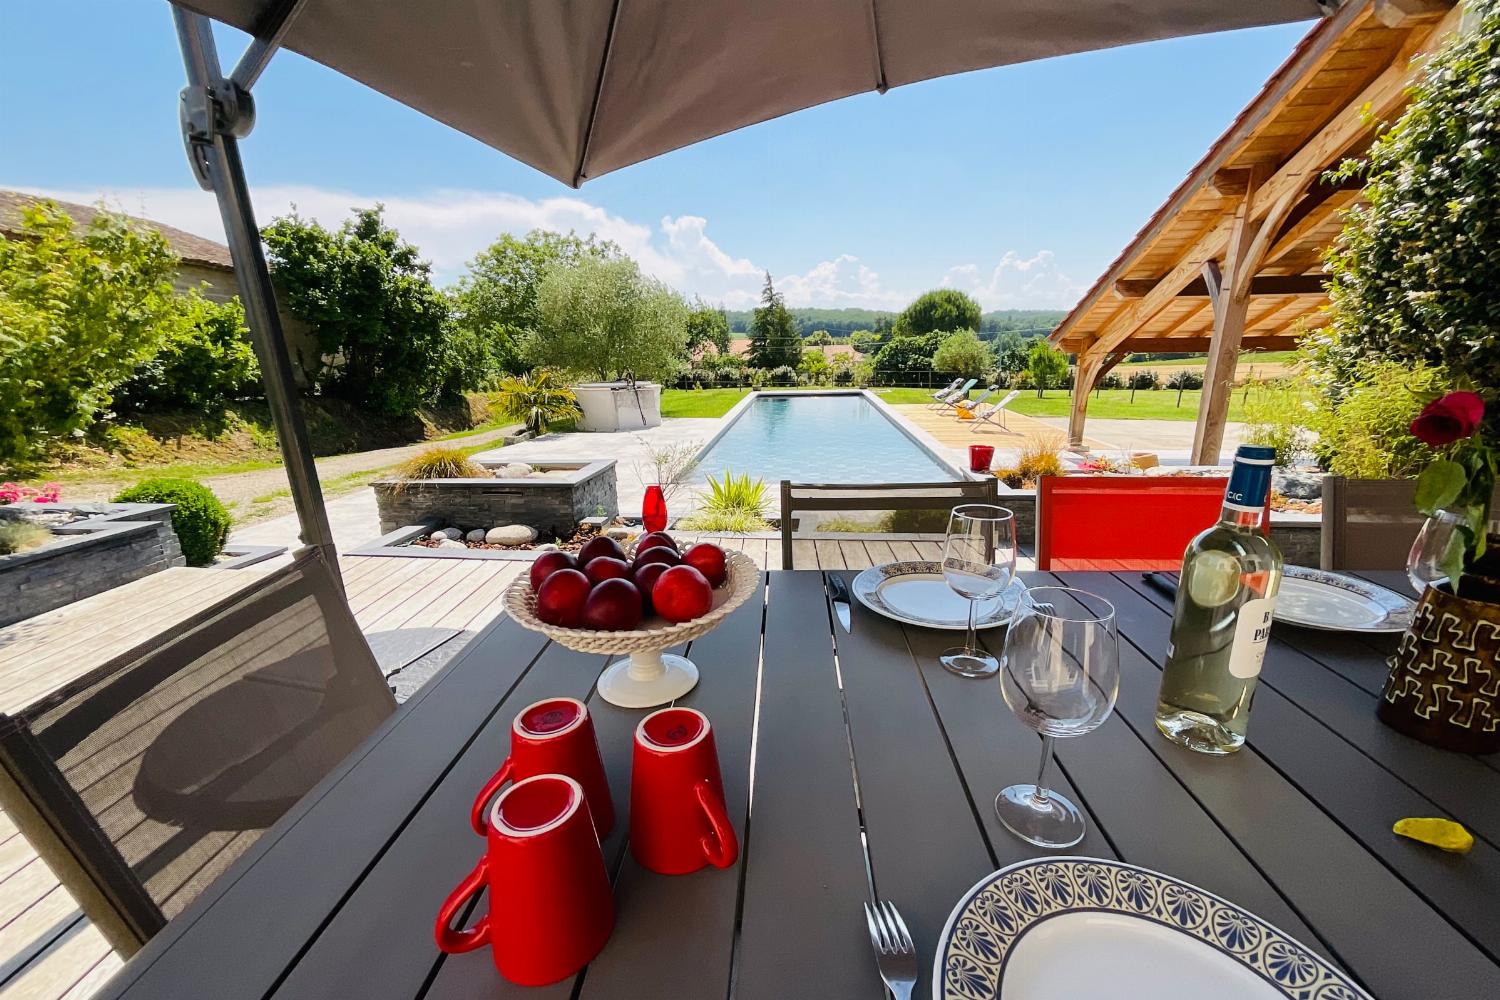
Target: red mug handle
x: 720, y: 845
x: 456, y: 941
x: 476, y: 814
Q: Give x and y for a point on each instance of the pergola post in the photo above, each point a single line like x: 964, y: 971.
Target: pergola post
x: 216, y: 112
x: 1093, y: 364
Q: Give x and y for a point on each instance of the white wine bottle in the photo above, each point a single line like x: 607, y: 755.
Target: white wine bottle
x: 1230, y: 575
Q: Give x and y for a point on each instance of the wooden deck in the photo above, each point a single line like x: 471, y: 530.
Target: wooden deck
x: 48, y: 949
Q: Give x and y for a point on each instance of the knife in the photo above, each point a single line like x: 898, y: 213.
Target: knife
x: 840, y: 593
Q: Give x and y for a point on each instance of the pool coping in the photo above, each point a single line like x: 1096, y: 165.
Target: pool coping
x: 929, y: 444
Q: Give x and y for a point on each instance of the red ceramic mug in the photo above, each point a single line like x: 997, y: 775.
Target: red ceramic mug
x: 550, y: 904
x: 981, y: 457
x: 678, y: 820
x: 553, y: 736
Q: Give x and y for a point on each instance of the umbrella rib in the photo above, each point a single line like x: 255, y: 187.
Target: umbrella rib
x: 880, y: 82
x: 588, y: 133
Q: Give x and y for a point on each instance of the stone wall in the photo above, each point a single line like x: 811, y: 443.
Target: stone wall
x: 89, y: 557
x: 550, y: 504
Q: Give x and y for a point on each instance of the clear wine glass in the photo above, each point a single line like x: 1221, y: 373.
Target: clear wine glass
x: 1424, y: 564
x: 979, y: 562
x: 1061, y: 678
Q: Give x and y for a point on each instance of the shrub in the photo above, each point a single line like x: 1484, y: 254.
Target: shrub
x: 200, y: 520
x: 907, y: 359
x: 1040, y: 456
x: 537, y: 398
x: 15, y: 493
x: 757, y: 378
x: 914, y: 522
x: 1046, y: 366
x: 782, y: 375
x: 368, y: 298
x: 1364, y: 430
x: 843, y: 375
x: 696, y: 378
x: 20, y: 536
x: 440, y: 462
x: 1111, y: 380
x: 962, y: 353
x: 78, y: 314
x: 729, y: 377
x: 202, y: 366
x: 1416, y: 272
x: 1185, y: 380
x: 1144, y: 378
x: 1275, y: 419
x: 1010, y: 477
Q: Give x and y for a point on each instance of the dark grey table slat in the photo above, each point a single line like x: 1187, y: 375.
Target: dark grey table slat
x: 338, y: 900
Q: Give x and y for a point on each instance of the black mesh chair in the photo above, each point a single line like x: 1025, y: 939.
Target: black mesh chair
x: 140, y: 782
x: 902, y: 498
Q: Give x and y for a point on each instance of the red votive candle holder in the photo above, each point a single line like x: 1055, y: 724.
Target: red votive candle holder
x: 980, y: 457
x: 654, y: 509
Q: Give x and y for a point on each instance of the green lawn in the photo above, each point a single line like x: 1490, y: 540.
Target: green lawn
x: 1115, y: 404
x: 1246, y: 357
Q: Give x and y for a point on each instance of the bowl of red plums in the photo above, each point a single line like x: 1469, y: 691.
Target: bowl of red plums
x: 638, y: 601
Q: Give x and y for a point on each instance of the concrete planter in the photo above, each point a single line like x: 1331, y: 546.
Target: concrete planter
x: 616, y: 406
x: 552, y: 504
x: 112, y: 544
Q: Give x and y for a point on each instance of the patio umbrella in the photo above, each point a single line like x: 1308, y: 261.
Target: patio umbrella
x: 577, y: 88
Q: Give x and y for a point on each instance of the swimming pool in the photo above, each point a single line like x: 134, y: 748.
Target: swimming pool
x: 820, y: 438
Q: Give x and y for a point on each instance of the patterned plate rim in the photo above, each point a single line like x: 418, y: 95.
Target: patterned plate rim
x: 1398, y: 609
x: 865, y: 582
x: 1030, y: 892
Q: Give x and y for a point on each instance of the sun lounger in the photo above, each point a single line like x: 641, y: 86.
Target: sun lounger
x: 962, y: 392
x: 994, y: 413
x: 942, y: 394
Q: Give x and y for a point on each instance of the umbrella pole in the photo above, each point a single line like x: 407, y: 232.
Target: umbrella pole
x: 215, y: 114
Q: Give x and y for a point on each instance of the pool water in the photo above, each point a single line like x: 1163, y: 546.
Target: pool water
x: 820, y: 439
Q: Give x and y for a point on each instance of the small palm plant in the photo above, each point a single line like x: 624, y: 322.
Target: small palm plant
x: 537, y: 398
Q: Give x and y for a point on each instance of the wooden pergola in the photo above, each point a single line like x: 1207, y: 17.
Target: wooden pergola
x: 1233, y: 260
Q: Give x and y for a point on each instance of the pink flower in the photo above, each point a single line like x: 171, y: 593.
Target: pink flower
x: 1443, y: 421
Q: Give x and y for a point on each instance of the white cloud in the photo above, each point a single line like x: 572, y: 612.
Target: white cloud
x: 1017, y: 282
x: 451, y: 226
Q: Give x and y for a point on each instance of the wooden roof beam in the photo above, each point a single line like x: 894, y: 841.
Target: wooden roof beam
x: 1400, y: 13
x: 1230, y: 183
x: 1265, y: 284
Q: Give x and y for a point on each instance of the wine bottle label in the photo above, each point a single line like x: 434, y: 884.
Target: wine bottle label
x: 1251, y: 632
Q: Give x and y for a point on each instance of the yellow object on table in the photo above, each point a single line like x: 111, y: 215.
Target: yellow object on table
x: 1443, y: 834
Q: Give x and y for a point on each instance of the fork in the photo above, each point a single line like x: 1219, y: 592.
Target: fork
x: 895, y: 954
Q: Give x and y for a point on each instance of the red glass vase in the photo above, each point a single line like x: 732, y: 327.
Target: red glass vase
x: 654, y: 509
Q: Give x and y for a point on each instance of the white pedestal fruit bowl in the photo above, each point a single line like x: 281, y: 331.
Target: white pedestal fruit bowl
x: 650, y: 676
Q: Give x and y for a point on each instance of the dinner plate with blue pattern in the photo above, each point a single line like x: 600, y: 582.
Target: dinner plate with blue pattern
x: 1337, y: 602
x: 915, y: 592
x: 1065, y: 928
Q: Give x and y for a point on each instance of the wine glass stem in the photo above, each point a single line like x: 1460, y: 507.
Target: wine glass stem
x: 972, y: 643
x: 1040, y: 796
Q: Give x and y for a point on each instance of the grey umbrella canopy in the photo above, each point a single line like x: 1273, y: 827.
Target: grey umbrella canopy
x: 578, y: 88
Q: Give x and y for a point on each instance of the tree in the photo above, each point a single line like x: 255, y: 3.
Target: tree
x: 818, y: 338
x: 939, y: 309
x: 78, y: 314
x: 814, y: 363
x: 906, y: 359
x: 1011, y: 353
x: 604, y: 318
x: 202, y: 366
x: 864, y: 341
x: 1047, y: 366
x: 706, y: 326
x: 1416, y: 272
x: 496, y: 301
x: 368, y: 298
x: 963, y: 353
x: 773, y: 336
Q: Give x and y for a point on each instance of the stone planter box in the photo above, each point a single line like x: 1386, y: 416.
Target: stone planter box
x: 111, y: 545
x: 615, y: 406
x: 551, y: 504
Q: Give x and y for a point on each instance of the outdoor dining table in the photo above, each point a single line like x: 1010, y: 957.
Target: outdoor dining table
x: 853, y: 763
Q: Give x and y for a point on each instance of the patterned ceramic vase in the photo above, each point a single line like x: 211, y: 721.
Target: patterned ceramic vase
x: 1444, y: 684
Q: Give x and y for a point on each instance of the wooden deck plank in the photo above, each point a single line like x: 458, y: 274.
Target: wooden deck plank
x: 64, y: 965
x: 462, y: 587
x: 880, y: 551
x: 449, y: 577
x: 483, y: 605
x: 855, y: 555
x: 929, y: 551
x: 409, y: 587
x: 830, y: 554
x: 905, y: 551
x: 804, y: 554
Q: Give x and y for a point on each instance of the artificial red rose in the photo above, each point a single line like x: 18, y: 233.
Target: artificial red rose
x: 1446, y: 420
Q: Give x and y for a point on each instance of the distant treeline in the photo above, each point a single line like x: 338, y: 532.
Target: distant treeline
x: 842, y: 322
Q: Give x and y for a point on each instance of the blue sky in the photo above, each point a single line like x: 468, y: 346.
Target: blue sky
x: 1019, y: 184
